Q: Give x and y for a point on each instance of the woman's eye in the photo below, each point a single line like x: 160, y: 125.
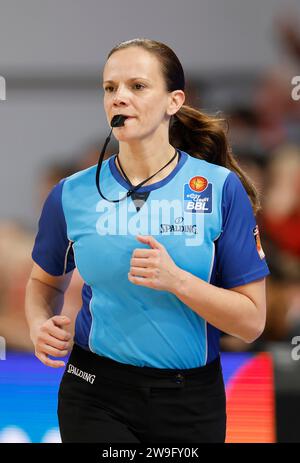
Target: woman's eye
x: 137, y: 86
x: 140, y: 85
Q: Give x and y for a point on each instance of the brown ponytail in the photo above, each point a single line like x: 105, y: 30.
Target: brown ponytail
x: 200, y: 135
x: 204, y: 137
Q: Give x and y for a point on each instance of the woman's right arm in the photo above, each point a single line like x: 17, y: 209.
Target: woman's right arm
x: 48, y: 332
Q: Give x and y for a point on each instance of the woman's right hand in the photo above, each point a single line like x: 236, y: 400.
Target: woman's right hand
x: 51, y: 338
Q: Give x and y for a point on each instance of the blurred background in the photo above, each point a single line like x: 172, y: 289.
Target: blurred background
x: 241, y: 59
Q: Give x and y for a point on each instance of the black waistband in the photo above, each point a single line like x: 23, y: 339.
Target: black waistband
x: 104, y: 367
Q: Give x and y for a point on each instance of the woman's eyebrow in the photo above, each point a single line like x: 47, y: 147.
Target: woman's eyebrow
x: 132, y: 78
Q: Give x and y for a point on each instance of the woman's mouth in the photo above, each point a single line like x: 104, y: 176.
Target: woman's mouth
x: 126, y: 119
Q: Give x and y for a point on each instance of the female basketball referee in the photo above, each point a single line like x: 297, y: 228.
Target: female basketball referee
x: 166, y: 266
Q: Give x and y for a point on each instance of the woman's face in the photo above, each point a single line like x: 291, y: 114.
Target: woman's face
x: 134, y: 86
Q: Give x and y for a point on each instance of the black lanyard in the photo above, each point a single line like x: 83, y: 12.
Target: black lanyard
x: 144, y: 181
x: 135, y: 188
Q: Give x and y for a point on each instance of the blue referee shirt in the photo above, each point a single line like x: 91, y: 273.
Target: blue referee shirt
x: 202, y: 215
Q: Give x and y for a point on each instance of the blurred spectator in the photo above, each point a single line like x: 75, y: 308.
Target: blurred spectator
x: 281, y: 218
x: 277, y: 114
x: 279, y: 221
x: 287, y: 28
x: 15, y: 265
x: 243, y: 133
x: 281, y: 224
x: 49, y: 176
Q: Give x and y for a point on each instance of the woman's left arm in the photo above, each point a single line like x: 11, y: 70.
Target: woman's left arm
x: 238, y: 311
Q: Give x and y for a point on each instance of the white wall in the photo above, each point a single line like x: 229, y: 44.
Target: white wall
x: 47, y: 35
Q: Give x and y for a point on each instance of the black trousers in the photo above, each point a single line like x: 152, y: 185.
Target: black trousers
x: 101, y: 400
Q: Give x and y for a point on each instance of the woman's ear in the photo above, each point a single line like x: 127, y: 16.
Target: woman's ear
x: 177, y: 98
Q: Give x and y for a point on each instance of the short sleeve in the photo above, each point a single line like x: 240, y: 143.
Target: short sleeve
x: 52, y: 249
x: 239, y: 256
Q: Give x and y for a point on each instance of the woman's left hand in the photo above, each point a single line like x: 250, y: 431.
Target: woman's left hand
x: 153, y: 267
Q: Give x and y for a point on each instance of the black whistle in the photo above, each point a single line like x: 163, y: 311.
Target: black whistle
x: 118, y: 120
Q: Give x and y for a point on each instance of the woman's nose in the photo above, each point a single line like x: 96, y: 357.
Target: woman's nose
x: 119, y: 101
x: 120, y: 96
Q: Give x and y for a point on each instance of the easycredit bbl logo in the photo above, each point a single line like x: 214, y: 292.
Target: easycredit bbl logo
x: 198, y: 195
x: 2, y: 89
